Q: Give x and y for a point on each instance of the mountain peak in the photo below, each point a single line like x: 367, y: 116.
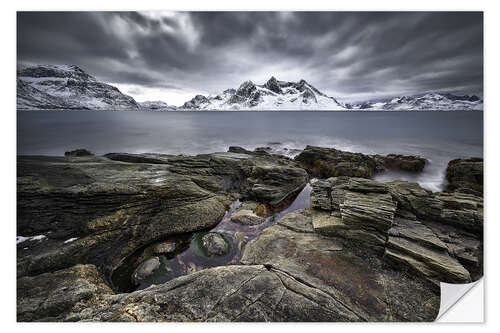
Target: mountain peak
x: 273, y: 85
x: 67, y: 87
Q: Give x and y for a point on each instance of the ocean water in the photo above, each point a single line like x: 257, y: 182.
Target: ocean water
x: 437, y: 136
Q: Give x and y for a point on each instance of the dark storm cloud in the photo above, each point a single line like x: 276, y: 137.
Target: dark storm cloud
x: 351, y: 55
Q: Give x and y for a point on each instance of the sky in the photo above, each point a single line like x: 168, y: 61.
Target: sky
x: 172, y: 56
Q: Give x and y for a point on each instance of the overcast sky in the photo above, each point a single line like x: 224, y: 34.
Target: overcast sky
x: 172, y: 56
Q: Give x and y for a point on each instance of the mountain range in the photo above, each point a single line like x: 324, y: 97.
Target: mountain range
x: 272, y: 95
x: 428, y: 101
x: 69, y: 87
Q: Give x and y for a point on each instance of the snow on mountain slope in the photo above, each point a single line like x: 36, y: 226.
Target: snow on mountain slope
x: 156, y: 105
x: 67, y: 87
x: 429, y: 101
x: 273, y: 95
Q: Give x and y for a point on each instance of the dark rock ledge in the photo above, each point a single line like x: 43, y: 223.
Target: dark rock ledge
x: 362, y: 251
x: 323, y: 162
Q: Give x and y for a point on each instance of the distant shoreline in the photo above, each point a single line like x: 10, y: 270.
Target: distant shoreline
x: 215, y: 111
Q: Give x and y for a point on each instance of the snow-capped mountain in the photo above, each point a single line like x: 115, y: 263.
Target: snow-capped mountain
x: 67, y: 87
x: 273, y: 95
x: 156, y: 105
x: 429, y: 101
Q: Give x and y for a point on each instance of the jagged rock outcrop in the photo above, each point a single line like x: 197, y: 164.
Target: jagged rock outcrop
x: 465, y: 175
x: 356, y: 209
x: 240, y: 150
x: 67, y: 87
x: 438, y: 235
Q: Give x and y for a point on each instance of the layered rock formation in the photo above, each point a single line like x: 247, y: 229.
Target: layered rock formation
x: 362, y: 251
x: 438, y: 235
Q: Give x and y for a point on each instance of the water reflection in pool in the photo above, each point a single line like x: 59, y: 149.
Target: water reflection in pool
x: 193, y: 258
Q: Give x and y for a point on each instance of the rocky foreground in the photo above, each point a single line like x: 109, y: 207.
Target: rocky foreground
x: 362, y: 250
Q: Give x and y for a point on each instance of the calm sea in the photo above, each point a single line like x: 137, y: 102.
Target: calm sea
x: 437, y: 136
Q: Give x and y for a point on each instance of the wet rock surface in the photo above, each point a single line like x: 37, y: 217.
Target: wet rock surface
x: 114, y: 206
x: 465, y: 175
x: 401, y: 162
x: 324, y: 162
x: 361, y: 250
x: 250, y: 213
x: 214, y: 244
x: 145, y: 269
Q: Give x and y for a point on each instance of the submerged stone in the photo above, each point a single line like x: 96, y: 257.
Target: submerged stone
x: 145, y: 269
x: 214, y: 244
x: 164, y: 248
x: 247, y: 217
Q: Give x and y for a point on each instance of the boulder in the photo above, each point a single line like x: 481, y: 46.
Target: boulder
x: 465, y: 175
x: 214, y: 244
x: 78, y: 153
x: 402, y: 162
x: 239, y: 150
x: 247, y: 217
x: 324, y: 162
x: 145, y: 269
x: 329, y: 162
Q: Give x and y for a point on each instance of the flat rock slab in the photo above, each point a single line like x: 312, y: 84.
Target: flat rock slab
x: 52, y: 296
x: 358, y: 280
x: 230, y: 293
